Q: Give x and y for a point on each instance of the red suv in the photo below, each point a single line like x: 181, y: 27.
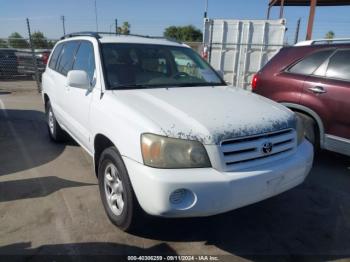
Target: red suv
x: 312, y: 78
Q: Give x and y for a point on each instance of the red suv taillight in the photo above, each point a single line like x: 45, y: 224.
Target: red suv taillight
x: 205, y: 52
x: 254, y: 82
x: 45, y: 57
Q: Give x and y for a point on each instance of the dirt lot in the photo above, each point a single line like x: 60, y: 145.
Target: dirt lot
x: 49, y: 204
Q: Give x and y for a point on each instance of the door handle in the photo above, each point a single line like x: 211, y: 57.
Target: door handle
x: 317, y: 90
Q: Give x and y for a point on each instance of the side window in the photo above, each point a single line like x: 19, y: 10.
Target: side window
x: 54, y: 57
x: 309, y: 64
x: 65, y: 61
x: 339, y: 65
x: 85, y: 60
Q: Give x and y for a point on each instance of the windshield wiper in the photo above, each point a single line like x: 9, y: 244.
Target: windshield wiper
x: 197, y: 84
x: 169, y: 85
x: 129, y: 86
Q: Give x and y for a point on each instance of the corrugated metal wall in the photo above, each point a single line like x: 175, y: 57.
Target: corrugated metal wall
x: 239, y: 48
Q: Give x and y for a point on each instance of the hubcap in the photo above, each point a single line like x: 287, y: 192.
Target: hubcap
x: 114, y: 189
x: 51, y: 121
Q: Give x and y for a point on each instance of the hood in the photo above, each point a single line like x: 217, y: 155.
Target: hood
x: 207, y: 114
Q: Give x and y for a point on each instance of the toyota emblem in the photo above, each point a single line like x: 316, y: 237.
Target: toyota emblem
x: 267, y: 148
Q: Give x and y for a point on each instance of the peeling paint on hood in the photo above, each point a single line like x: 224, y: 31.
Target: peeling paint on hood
x: 208, y: 114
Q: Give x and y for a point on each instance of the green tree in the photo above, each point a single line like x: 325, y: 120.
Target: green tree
x: 17, y: 41
x: 187, y: 33
x: 329, y: 35
x: 3, y: 43
x: 124, y: 29
x: 51, y: 44
x: 39, y: 40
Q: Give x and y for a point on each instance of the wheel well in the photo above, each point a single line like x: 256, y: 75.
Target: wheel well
x: 46, y: 99
x: 317, y: 131
x: 307, y: 114
x: 101, y: 142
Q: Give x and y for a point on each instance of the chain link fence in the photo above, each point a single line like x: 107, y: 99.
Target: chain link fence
x: 18, y: 61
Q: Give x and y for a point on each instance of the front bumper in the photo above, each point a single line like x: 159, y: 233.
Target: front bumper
x: 215, y: 192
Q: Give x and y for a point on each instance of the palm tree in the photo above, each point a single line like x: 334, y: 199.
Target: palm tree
x: 124, y: 29
x: 329, y: 35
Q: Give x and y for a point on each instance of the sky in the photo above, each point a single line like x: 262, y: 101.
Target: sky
x: 152, y: 16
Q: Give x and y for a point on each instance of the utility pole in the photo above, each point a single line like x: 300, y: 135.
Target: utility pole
x: 116, y: 26
x: 206, y: 9
x: 204, y: 25
x: 271, y: 4
x: 296, y: 38
x: 63, y: 24
x: 281, y: 9
x: 96, y: 17
x: 33, y: 57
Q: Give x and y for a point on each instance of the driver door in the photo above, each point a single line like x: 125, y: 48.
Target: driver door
x: 78, y: 100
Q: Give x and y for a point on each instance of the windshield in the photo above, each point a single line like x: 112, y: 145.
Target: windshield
x: 143, y: 65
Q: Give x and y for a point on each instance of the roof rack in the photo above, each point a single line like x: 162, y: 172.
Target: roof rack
x: 324, y: 41
x: 98, y: 35
x: 85, y: 33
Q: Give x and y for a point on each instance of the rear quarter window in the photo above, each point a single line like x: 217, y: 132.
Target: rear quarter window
x: 339, y: 65
x: 309, y: 64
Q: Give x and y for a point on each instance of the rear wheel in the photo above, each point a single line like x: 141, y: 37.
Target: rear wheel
x: 311, y: 130
x: 116, y: 192
x: 55, y: 131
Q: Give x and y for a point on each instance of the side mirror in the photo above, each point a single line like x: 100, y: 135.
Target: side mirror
x: 78, y: 79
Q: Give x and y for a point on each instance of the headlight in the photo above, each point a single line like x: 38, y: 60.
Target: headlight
x: 300, y: 129
x: 164, y: 152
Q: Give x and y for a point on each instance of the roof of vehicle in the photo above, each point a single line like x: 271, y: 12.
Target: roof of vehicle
x: 334, y: 41
x: 120, y: 38
x: 138, y: 39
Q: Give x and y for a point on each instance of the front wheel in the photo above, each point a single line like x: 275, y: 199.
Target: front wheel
x: 116, y: 192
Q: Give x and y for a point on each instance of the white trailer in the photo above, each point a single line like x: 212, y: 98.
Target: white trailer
x: 239, y: 48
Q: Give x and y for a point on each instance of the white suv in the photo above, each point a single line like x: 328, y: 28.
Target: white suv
x: 168, y: 139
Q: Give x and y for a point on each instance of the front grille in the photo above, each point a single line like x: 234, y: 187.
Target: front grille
x: 241, y: 152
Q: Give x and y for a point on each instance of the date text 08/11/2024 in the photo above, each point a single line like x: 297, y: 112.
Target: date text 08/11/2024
x: 173, y: 258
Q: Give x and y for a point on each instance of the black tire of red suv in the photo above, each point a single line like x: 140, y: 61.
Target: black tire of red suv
x: 131, y: 213
x: 56, y: 133
x: 311, y: 130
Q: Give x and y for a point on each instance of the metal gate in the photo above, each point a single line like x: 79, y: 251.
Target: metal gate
x: 239, y: 48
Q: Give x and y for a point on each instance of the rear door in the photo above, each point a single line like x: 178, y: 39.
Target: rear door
x: 77, y: 100
x: 287, y: 85
x: 49, y: 83
x: 327, y: 92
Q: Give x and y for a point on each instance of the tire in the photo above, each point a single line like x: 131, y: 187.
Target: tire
x: 116, y: 191
x: 56, y: 133
x: 311, y: 130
